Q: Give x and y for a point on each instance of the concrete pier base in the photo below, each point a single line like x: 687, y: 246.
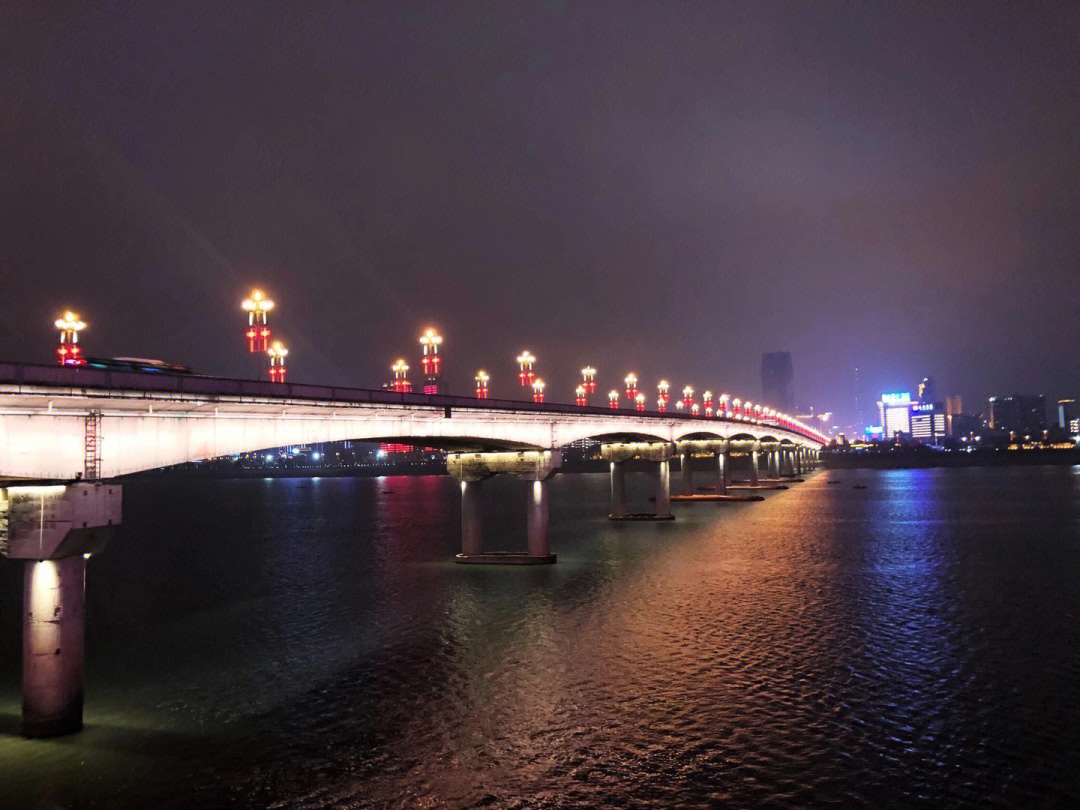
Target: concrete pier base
x: 504, y: 558
x: 53, y: 634
x: 659, y: 455
x: 706, y: 498
x: 535, y: 467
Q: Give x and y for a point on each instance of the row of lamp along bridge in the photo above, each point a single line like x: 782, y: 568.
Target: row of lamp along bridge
x: 258, y: 335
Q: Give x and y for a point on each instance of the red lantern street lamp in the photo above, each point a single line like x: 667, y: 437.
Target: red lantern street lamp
x: 258, y: 332
x: 538, y: 390
x: 482, y: 384
x: 639, y: 402
x: 695, y: 410
x: 527, y: 376
x: 581, y: 396
x: 662, y: 395
x: 613, y: 399
x: 431, y: 361
x: 631, y: 387
x: 277, y: 353
x: 68, y: 350
x: 688, y: 397
x: 401, y: 382
x: 588, y: 380
x: 723, y: 409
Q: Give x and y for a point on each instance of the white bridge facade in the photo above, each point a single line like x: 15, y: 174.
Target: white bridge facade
x: 142, y: 422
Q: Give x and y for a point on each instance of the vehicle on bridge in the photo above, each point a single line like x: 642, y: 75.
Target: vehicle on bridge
x: 142, y: 364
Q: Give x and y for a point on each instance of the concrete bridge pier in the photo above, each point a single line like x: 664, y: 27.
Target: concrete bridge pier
x: 774, y: 463
x: 536, y: 467
x: 754, y: 453
x: 618, y: 490
x: 661, y: 473
x: 536, y: 520
x: 686, y: 473
x: 723, y: 472
x: 659, y: 454
x: 797, y: 460
x: 55, y: 529
x: 472, y: 518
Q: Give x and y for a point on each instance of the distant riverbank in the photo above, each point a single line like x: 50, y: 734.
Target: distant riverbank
x: 910, y: 457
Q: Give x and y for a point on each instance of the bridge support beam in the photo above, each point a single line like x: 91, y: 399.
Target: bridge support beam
x: 754, y: 478
x: 535, y: 467
x: 659, y: 454
x: 774, y: 463
x: 55, y: 529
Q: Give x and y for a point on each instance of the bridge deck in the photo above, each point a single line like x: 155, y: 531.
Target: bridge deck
x: 32, y: 386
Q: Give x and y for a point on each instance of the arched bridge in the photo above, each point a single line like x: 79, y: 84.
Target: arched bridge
x: 131, y: 422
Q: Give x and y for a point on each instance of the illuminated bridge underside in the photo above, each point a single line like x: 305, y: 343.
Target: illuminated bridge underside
x: 43, y: 428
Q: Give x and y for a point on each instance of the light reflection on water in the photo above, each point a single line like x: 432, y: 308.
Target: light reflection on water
x: 310, y: 643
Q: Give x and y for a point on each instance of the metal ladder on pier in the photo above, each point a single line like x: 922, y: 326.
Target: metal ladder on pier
x: 92, y: 457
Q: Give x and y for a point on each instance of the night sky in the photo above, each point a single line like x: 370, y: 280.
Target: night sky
x: 670, y: 189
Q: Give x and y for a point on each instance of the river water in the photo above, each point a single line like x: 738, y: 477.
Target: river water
x: 310, y: 643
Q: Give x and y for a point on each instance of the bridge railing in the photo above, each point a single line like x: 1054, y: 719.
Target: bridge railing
x: 189, y: 384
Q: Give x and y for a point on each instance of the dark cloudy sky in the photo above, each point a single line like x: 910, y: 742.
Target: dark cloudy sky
x: 669, y: 188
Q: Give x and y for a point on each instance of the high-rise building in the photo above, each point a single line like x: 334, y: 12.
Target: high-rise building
x: 927, y: 390
x: 1022, y: 415
x: 1069, y: 416
x: 778, y: 381
x: 895, y: 411
x: 927, y: 422
x: 901, y: 415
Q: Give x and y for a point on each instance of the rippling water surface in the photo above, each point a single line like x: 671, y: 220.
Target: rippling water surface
x: 309, y: 643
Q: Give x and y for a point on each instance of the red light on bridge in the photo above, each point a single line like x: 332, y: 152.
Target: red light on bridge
x: 431, y: 361
x: 482, y: 384
x: 68, y: 352
x: 688, y: 397
x: 538, y: 390
x: 588, y: 382
x: 631, y: 387
x: 401, y: 382
x: 613, y: 399
x: 526, y: 374
x: 258, y: 333
x: 277, y: 353
x: 639, y: 402
x: 581, y: 398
